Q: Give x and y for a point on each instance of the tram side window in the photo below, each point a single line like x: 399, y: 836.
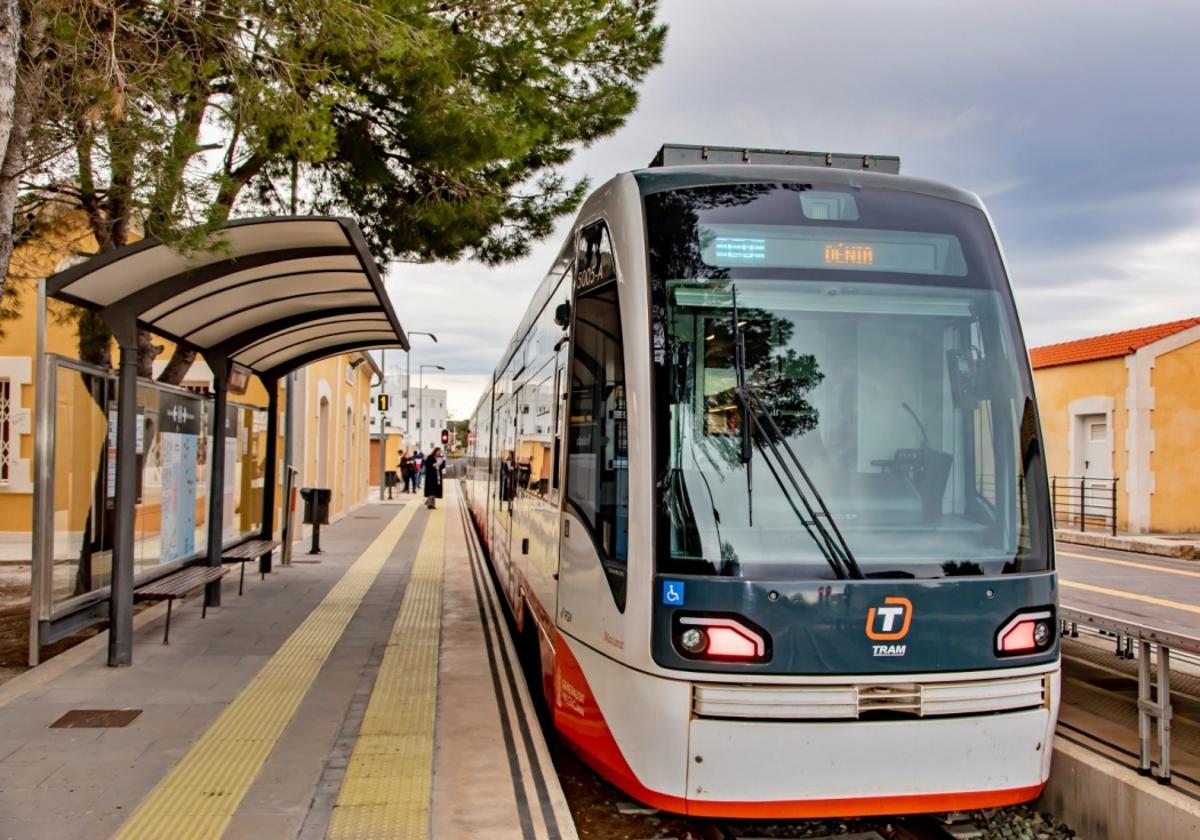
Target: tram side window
x: 598, y: 438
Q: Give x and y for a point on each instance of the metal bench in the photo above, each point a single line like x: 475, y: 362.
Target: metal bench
x: 179, y: 585
x: 245, y: 552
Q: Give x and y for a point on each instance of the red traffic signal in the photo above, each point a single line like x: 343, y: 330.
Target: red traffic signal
x: 445, y: 437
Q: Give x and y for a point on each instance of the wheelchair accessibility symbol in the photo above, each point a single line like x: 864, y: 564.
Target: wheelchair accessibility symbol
x: 672, y: 593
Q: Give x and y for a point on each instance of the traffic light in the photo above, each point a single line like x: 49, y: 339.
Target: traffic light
x: 382, y: 402
x: 445, y: 437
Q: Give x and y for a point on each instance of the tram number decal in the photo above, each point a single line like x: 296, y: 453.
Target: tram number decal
x: 889, y: 623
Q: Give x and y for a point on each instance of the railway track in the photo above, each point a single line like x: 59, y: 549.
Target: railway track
x: 997, y: 823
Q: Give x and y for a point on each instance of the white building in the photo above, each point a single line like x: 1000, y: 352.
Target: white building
x: 420, y: 421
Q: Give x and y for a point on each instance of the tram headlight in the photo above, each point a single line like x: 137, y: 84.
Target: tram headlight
x: 1041, y: 633
x: 1026, y: 633
x: 692, y: 640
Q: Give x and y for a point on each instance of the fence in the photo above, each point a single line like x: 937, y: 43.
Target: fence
x: 1154, y: 696
x: 1083, y: 501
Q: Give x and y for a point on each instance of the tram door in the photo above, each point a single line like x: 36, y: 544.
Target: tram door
x: 595, y: 517
x: 504, y: 489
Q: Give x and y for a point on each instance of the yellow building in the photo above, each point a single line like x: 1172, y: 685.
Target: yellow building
x: 331, y: 430
x: 1127, y: 406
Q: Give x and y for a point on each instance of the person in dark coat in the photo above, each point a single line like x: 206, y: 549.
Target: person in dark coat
x: 407, y: 470
x: 433, y: 477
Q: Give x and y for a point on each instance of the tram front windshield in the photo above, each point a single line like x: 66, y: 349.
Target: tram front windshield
x: 838, y: 373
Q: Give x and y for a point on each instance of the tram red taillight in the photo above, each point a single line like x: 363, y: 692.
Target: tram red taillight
x: 729, y: 643
x: 1026, y: 633
x: 719, y: 638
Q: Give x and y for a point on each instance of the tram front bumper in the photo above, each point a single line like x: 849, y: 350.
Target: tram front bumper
x: 760, y: 769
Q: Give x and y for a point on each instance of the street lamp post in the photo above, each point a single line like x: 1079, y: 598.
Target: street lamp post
x: 421, y: 398
x: 382, y: 422
x: 408, y: 386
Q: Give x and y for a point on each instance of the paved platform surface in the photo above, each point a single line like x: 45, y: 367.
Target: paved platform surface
x: 374, y: 693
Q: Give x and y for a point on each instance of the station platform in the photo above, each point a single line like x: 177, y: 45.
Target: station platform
x: 371, y: 692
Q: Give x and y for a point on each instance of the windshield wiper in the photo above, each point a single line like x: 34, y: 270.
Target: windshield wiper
x: 833, y: 545
x: 747, y: 451
x: 829, y: 541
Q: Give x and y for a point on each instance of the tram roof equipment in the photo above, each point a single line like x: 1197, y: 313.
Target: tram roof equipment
x: 680, y: 154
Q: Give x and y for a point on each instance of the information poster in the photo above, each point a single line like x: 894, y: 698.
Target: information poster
x: 179, y: 419
x: 110, y: 490
x: 139, y: 447
x: 231, y: 463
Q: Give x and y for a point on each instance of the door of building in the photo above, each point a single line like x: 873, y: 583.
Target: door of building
x: 1097, y: 466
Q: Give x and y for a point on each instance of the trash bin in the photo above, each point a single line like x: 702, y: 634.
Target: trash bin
x: 316, y: 512
x: 391, y: 478
x: 316, y: 504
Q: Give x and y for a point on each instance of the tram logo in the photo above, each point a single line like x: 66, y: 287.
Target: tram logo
x: 890, y: 622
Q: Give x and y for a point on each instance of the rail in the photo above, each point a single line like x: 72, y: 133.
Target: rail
x: 1082, y: 500
x: 1154, y: 696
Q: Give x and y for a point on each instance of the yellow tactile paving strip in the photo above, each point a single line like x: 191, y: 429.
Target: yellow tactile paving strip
x: 199, y: 796
x: 385, y: 793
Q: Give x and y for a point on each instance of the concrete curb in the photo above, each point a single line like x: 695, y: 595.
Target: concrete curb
x: 1174, y: 549
x: 1103, y: 800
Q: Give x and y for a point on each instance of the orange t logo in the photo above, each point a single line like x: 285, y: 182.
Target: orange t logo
x: 896, y: 608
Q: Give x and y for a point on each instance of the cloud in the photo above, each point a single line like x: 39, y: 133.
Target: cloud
x: 1074, y: 120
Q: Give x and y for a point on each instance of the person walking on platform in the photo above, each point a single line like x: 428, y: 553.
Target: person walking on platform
x: 433, y: 478
x: 418, y: 468
x: 406, y: 471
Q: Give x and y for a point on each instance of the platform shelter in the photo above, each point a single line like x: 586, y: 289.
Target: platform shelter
x: 266, y: 297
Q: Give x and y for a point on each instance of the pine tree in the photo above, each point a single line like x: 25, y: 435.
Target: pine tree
x: 440, y: 126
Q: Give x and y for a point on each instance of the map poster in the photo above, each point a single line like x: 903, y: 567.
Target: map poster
x: 179, y: 421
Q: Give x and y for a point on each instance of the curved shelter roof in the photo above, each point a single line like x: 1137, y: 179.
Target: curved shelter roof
x: 273, y: 294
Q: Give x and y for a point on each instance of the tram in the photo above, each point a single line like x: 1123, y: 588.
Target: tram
x: 760, y: 475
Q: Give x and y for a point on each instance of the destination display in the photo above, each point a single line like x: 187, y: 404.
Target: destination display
x: 791, y: 246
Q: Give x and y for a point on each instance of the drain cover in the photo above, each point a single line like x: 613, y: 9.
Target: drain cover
x: 96, y: 718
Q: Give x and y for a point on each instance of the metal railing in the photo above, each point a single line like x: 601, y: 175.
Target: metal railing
x: 1082, y: 501
x: 1154, y: 696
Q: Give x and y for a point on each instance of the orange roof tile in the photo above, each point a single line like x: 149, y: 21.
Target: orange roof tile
x: 1112, y: 345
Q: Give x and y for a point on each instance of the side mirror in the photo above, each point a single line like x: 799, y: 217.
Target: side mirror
x: 562, y: 315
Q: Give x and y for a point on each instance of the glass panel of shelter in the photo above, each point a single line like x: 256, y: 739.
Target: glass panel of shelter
x: 173, y: 443
x: 84, y: 483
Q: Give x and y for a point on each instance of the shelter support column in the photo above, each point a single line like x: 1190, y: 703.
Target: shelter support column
x: 216, y: 484
x: 120, y: 601
x: 286, y: 524
x: 270, y: 469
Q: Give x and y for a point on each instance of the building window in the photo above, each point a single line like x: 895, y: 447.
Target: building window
x: 8, y: 444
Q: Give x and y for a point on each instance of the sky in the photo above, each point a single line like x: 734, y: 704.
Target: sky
x: 1076, y: 122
